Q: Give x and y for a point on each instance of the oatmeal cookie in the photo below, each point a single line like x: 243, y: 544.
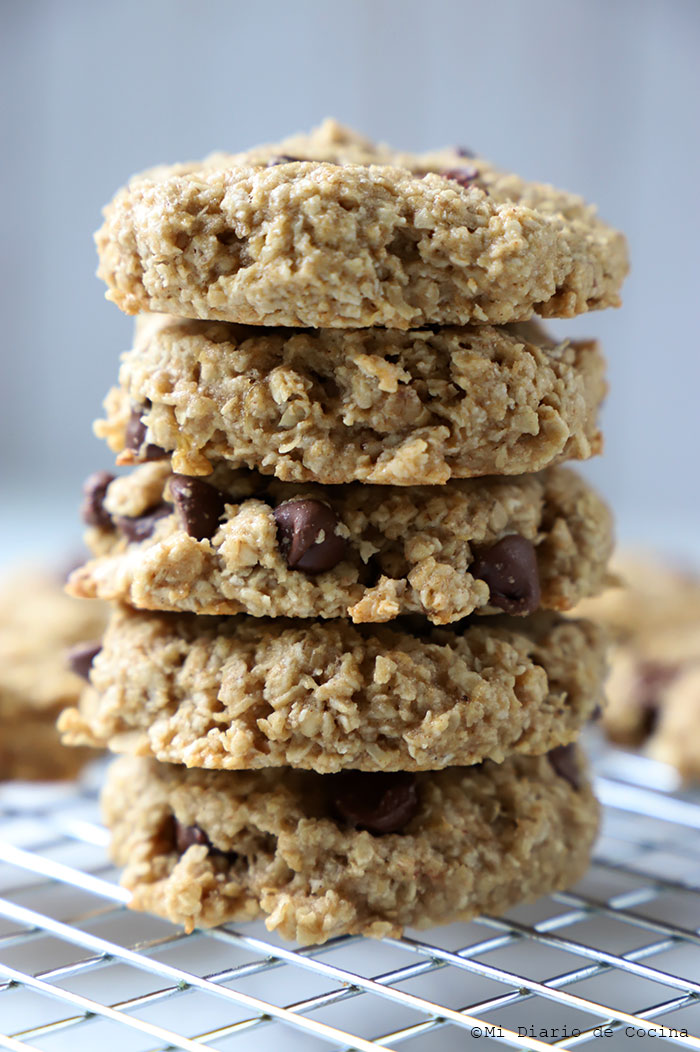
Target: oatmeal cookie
x: 243, y: 693
x: 327, y: 855
x: 240, y: 542
x: 327, y: 230
x: 372, y: 405
x: 653, y: 689
x: 42, y: 661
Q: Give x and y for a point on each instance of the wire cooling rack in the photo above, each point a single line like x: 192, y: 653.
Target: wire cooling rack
x: 615, y: 961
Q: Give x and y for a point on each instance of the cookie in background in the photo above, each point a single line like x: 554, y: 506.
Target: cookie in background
x: 47, y: 642
x: 653, y: 687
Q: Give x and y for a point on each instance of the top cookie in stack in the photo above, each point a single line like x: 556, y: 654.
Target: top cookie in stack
x: 332, y: 231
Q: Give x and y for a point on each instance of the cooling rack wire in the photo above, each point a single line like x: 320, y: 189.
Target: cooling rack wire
x: 614, y: 962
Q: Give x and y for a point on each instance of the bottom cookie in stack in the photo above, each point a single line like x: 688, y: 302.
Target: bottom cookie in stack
x: 355, y: 852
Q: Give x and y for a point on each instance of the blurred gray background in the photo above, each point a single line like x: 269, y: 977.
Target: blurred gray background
x: 597, y: 96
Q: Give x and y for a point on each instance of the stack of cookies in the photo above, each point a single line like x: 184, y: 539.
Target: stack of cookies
x: 337, y: 665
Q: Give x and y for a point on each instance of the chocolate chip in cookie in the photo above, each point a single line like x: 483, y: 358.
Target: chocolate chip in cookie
x: 140, y: 527
x: 282, y: 158
x: 465, y: 176
x: 307, y: 537
x: 198, y: 506
x: 652, y: 679
x: 382, y: 802
x: 135, y: 437
x: 186, y: 836
x: 563, y: 760
x: 81, y: 656
x: 92, y: 510
x: 509, y: 568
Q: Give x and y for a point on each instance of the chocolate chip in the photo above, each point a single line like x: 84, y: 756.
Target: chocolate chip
x: 199, y: 507
x: 649, y: 721
x: 509, y: 568
x: 135, y: 430
x: 306, y: 535
x: 81, y: 656
x: 464, y: 151
x: 140, y: 527
x: 382, y: 802
x: 153, y: 452
x: 564, y: 761
x: 464, y: 176
x: 281, y: 158
x: 652, y: 678
x: 186, y: 836
x: 92, y: 510
x: 135, y: 436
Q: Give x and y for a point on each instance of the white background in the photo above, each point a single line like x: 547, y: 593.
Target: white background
x: 598, y: 96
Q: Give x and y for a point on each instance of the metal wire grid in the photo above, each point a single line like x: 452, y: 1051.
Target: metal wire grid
x: 613, y: 960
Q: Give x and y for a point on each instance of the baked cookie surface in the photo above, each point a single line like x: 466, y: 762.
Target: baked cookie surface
x: 653, y: 688
x: 326, y: 855
x: 39, y: 625
x: 244, y: 693
x: 328, y: 230
x: 242, y: 542
x: 372, y: 405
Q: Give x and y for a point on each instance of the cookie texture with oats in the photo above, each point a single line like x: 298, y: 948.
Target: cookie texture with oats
x: 226, y: 544
x: 205, y: 847
x: 329, y: 230
x: 241, y: 693
x: 368, y: 405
